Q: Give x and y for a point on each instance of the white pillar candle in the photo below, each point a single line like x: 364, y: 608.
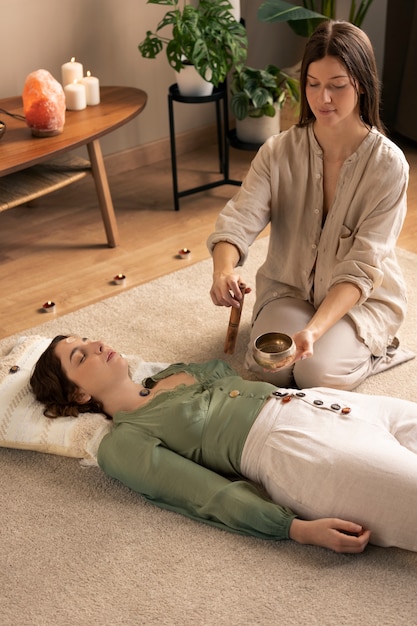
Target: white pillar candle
x: 92, y: 89
x: 71, y: 72
x: 75, y: 97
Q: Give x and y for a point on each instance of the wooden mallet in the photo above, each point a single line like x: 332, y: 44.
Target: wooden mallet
x: 234, y: 321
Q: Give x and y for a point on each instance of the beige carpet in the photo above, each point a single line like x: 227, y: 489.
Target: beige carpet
x: 79, y: 548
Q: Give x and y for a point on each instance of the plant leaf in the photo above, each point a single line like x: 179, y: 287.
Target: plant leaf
x: 302, y: 21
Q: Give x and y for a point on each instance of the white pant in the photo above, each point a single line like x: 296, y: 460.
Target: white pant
x: 360, y: 467
x: 341, y: 359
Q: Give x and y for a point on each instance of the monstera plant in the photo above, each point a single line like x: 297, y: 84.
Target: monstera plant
x: 205, y: 35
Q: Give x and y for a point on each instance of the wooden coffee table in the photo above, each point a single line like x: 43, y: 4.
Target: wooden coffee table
x: 31, y: 167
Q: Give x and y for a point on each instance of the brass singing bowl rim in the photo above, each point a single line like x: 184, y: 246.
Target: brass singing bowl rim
x: 280, y: 346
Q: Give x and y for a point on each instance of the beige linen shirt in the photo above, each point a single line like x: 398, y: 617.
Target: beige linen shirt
x: 309, y: 253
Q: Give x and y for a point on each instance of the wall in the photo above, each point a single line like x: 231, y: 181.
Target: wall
x: 104, y: 35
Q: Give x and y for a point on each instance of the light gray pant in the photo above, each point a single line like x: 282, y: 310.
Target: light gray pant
x: 341, y: 360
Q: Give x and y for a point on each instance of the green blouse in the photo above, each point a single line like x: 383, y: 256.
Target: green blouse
x: 182, y: 451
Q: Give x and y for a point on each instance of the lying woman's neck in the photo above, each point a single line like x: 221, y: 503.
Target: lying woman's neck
x: 126, y: 397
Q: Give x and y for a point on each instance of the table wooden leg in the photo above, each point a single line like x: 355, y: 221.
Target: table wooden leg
x: 103, y: 192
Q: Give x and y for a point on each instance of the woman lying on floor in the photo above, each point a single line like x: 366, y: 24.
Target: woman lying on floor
x: 320, y: 466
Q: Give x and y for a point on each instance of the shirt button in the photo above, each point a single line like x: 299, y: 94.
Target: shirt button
x: 300, y: 394
x: 314, y: 246
x: 316, y: 211
x: 346, y: 410
x: 318, y: 402
x: 335, y: 407
x: 234, y: 393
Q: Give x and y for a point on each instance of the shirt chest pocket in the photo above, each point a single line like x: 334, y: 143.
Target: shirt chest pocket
x: 346, y: 239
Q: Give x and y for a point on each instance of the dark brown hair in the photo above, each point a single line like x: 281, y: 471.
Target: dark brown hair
x: 52, y: 387
x: 352, y: 47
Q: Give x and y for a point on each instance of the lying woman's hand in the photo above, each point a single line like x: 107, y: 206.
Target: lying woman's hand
x: 226, y: 290
x: 336, y: 534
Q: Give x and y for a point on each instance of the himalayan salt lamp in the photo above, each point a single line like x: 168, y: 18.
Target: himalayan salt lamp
x: 43, y: 104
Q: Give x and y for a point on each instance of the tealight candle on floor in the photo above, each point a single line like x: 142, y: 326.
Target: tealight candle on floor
x: 75, y: 97
x: 184, y: 253
x: 48, y: 307
x: 119, y: 279
x: 92, y: 89
x: 71, y: 71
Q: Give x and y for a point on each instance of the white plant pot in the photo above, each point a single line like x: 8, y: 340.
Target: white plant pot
x: 256, y: 130
x: 191, y: 84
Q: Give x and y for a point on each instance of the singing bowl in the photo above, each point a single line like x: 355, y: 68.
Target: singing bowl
x: 273, y: 350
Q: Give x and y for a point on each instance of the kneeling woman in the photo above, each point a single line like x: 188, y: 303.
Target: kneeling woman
x: 323, y: 467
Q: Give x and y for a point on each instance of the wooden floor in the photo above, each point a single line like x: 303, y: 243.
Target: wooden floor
x: 56, y: 250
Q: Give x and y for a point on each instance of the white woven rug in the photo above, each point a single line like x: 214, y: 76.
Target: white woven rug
x: 77, y: 547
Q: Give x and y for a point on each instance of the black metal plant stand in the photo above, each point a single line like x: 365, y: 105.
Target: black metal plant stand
x: 219, y: 96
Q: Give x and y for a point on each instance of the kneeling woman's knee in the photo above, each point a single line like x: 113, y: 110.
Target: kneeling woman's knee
x: 314, y: 373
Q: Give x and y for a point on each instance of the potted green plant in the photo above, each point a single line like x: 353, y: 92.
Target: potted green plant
x: 257, y: 96
x: 206, y: 36
x: 304, y: 19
